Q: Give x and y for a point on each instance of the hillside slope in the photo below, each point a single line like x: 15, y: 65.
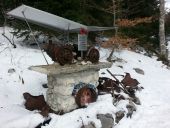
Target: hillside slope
x: 155, y: 97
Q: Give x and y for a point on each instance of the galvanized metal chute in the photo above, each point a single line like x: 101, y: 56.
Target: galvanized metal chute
x: 50, y: 21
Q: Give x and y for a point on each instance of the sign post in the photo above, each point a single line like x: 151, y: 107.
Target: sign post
x: 82, y: 41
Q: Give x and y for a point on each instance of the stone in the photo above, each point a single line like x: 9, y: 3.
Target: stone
x: 59, y: 102
x: 63, y: 79
x: 131, y: 108
x: 90, y: 125
x: 44, y: 86
x: 138, y: 70
x: 119, y: 116
x: 46, y: 122
x: 60, y: 88
x: 136, y: 100
x: 52, y: 69
x: 120, y: 66
x: 11, y: 70
x: 107, y: 120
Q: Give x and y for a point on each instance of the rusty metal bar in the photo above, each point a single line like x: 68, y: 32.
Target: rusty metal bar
x: 122, y: 86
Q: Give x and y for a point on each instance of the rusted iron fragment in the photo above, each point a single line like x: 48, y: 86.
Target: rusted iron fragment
x: 129, y: 82
x: 62, y: 54
x: 84, y: 94
x: 37, y: 103
x: 108, y: 85
x: 93, y: 55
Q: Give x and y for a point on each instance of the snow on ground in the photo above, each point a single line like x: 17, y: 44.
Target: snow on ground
x: 155, y: 97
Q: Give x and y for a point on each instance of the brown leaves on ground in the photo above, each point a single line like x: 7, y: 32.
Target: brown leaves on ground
x: 118, y: 42
x: 131, y: 23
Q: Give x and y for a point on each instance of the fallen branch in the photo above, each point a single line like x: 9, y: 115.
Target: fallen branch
x: 110, y: 56
x: 12, y: 43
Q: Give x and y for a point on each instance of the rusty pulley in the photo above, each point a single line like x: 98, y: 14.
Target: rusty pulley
x: 93, y: 55
x: 84, y: 94
x: 61, y: 54
x: 64, y: 55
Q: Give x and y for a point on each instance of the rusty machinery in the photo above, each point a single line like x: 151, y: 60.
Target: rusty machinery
x: 63, y: 54
x: 84, y: 94
x: 93, y: 55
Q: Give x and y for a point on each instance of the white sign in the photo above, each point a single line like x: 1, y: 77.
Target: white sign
x: 82, y: 42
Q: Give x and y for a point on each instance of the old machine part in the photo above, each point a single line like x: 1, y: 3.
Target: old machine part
x: 37, y: 103
x: 61, y: 54
x: 108, y: 85
x: 93, y: 55
x: 84, y: 94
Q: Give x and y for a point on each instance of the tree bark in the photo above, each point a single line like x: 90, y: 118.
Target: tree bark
x: 162, y: 27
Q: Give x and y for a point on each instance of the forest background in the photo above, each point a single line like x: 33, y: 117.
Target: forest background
x: 135, y: 19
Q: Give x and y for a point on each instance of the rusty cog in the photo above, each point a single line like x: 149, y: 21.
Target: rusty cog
x: 93, y: 55
x: 85, y: 96
x: 65, y: 55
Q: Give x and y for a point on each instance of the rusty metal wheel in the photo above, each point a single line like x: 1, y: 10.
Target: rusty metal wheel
x: 85, y: 96
x: 93, y: 55
x: 65, y: 55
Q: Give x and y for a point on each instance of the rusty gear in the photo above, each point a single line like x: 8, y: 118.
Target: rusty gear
x: 61, y: 54
x: 64, y: 55
x: 85, y: 96
x: 93, y: 55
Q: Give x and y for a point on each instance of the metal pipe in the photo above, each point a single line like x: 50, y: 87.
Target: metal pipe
x: 34, y: 37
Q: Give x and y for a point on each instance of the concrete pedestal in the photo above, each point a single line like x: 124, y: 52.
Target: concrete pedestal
x: 62, y: 79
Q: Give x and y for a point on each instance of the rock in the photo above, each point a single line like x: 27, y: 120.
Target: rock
x: 46, y: 122
x: 79, y: 58
x: 136, y: 100
x: 103, y: 73
x: 119, y: 116
x: 89, y: 62
x: 83, y: 62
x: 107, y: 120
x: 44, y: 86
x: 117, y: 98
x: 11, y: 70
x: 90, y: 125
x: 120, y: 66
x: 131, y: 108
x: 138, y: 70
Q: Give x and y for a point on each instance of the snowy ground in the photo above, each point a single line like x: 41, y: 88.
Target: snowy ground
x: 155, y: 97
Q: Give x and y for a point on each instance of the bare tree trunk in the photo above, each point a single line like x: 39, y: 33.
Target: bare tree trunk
x: 162, y: 27
x: 114, y: 12
x: 116, y: 29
